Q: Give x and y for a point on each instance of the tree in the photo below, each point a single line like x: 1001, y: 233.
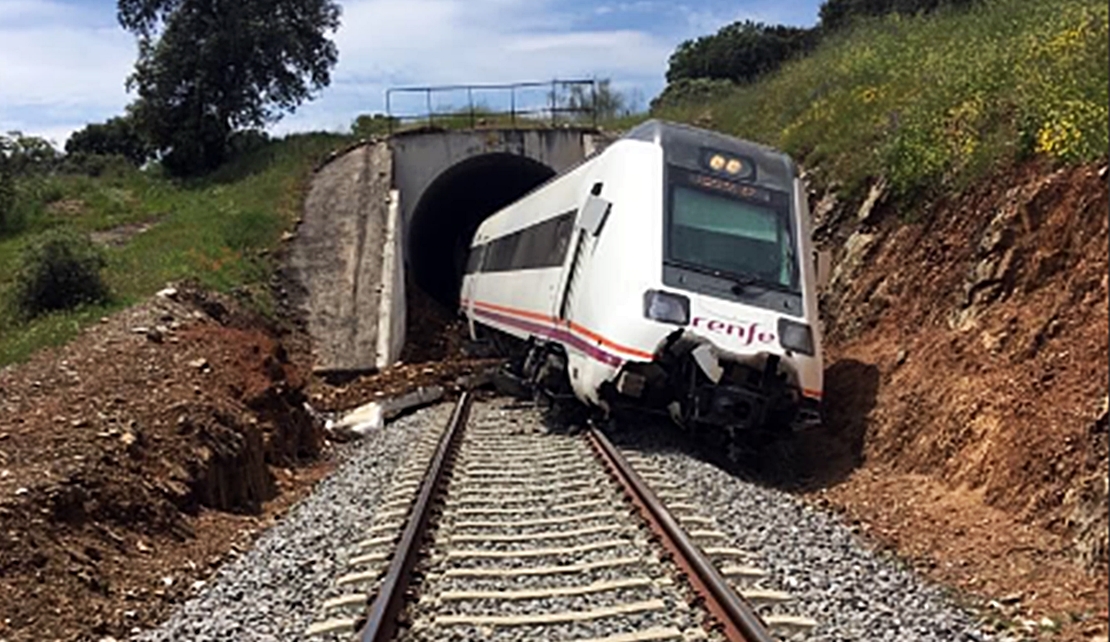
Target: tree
x: 837, y: 14
x: 207, y: 68
x: 600, y: 100
x: 117, y: 136
x: 7, y: 184
x: 27, y: 154
x: 740, y: 52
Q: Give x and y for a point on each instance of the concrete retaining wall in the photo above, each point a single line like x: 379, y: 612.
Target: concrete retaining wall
x: 337, y: 258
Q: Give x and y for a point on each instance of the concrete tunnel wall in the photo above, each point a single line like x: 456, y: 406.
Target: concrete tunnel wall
x: 411, y: 202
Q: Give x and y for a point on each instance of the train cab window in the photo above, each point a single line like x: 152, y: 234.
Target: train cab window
x: 723, y: 233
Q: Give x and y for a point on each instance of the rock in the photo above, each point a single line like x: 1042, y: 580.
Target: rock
x: 900, y: 358
x: 200, y: 364
x: 168, y: 293
x: 154, y: 334
x: 372, y: 416
x: 993, y: 341
x: 855, y: 251
x: 824, y: 208
x: 22, y: 490
x: 874, y: 196
x: 288, y: 236
x: 1012, y: 598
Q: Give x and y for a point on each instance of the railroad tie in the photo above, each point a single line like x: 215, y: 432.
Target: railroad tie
x: 544, y: 535
x: 790, y: 621
x: 581, y: 567
x: 534, y: 619
x: 336, y: 625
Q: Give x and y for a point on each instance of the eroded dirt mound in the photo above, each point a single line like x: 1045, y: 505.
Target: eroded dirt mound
x: 113, y: 448
x: 985, y: 322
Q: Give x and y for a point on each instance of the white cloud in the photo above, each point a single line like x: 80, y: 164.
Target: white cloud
x: 388, y: 43
x: 62, y: 65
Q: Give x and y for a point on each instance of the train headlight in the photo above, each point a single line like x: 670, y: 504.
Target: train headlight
x: 796, y: 336
x: 666, y: 307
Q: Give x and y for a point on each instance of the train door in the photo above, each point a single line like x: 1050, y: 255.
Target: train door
x: 591, y: 219
x: 470, y: 285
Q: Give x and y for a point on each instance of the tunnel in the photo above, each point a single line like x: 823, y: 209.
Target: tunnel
x: 450, y: 210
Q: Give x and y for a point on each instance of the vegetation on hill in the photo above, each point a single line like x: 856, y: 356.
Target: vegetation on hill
x: 743, y: 52
x: 930, y: 101
x: 219, y: 230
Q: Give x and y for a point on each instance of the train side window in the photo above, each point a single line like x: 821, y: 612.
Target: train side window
x: 474, y: 259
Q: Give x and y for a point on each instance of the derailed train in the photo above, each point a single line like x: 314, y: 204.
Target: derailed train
x: 670, y: 272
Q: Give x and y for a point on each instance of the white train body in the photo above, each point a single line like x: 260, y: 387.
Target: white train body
x: 672, y: 270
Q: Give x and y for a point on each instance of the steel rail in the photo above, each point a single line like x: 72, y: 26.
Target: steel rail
x: 740, y: 622
x: 384, y: 611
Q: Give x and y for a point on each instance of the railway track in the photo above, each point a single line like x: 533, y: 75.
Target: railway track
x: 496, y: 529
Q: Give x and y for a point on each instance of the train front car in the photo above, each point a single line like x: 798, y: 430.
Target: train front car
x: 669, y: 272
x: 729, y: 314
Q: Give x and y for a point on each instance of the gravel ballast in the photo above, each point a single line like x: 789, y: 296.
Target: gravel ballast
x: 852, y: 592
x: 273, y: 591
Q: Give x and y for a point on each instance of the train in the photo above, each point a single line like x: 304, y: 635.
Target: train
x: 671, y: 273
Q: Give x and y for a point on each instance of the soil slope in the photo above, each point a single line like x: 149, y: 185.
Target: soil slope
x: 133, y: 460
x: 968, y: 380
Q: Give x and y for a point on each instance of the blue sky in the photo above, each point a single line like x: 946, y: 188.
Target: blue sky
x: 63, y: 63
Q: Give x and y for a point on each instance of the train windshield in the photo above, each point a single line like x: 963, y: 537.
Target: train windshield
x: 711, y: 230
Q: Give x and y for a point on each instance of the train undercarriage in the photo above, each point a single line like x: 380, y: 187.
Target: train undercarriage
x: 735, y: 406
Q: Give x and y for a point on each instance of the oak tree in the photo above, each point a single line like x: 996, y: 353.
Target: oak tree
x: 208, y: 68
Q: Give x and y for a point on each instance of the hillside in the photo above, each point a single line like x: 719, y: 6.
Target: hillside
x: 958, y: 168
x: 219, y: 230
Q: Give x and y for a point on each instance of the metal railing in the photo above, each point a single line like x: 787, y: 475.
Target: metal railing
x: 576, y: 99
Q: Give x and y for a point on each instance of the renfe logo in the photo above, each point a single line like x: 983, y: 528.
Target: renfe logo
x: 746, y: 332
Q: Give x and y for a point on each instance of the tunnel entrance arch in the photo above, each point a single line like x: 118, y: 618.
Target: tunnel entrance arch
x: 451, y: 209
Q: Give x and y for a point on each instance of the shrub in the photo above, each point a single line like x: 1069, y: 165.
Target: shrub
x: 742, y: 52
x: 58, y: 270
x: 692, y: 91
x: 371, y: 125
x: 115, y: 137
x: 97, y: 165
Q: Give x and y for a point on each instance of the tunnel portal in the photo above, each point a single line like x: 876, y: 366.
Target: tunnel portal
x: 451, y: 209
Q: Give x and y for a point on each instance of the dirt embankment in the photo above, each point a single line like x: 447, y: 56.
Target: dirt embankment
x: 968, y: 380
x: 133, y: 460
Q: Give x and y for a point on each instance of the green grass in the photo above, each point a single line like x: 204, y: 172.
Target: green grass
x: 216, y: 230
x: 934, y: 102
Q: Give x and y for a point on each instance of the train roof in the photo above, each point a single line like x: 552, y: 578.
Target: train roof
x: 683, y: 145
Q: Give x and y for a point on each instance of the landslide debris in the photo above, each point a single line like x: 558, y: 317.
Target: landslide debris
x: 133, y: 459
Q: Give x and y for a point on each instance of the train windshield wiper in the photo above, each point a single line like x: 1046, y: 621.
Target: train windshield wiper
x: 741, y: 282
